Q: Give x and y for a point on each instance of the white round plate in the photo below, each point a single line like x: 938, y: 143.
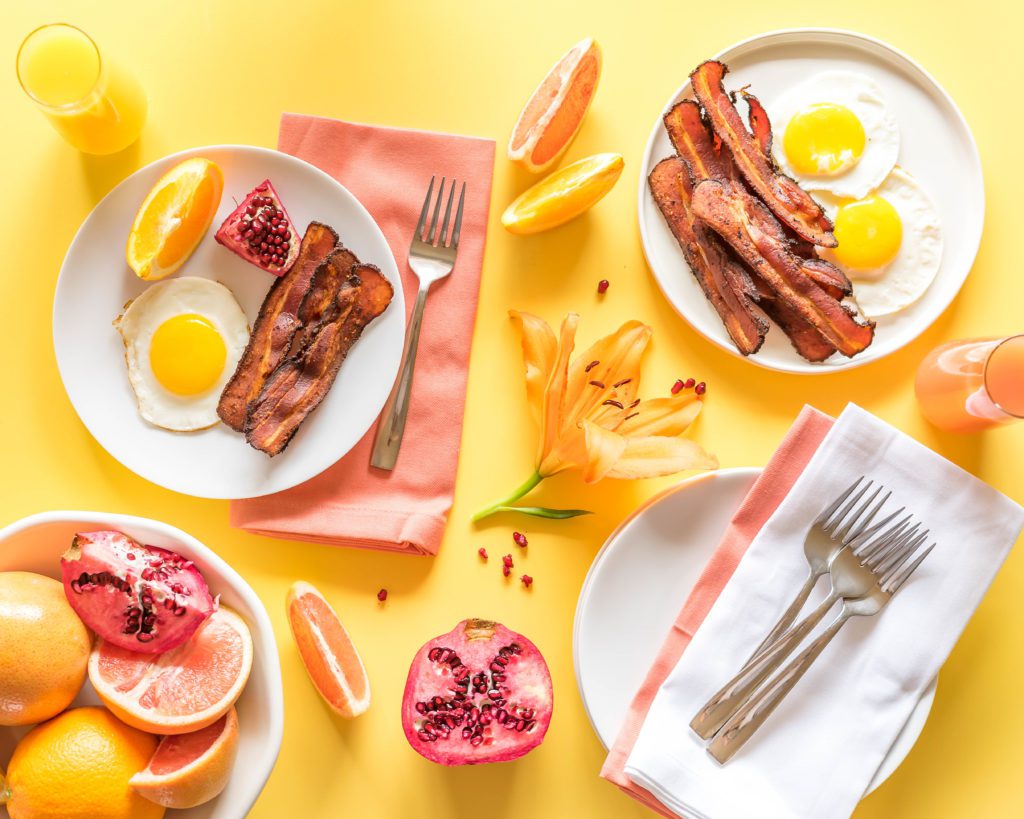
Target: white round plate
x: 95, y: 283
x: 936, y: 147
x: 637, y: 585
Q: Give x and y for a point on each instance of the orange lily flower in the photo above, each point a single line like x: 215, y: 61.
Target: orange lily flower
x: 589, y: 413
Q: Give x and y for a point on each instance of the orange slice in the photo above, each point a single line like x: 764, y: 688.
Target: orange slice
x: 174, y: 217
x: 554, y: 113
x: 189, y: 769
x: 182, y: 690
x: 332, y: 662
x: 563, y: 195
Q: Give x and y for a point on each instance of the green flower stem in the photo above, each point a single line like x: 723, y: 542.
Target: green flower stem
x: 526, y: 487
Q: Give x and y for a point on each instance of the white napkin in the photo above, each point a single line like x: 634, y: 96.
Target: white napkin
x: 817, y: 753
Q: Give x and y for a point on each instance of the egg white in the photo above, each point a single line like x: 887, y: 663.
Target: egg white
x: 897, y: 285
x: 141, y: 319
x: 862, y: 96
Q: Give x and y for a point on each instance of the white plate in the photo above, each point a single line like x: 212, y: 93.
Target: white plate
x: 95, y: 283
x: 637, y: 586
x: 937, y: 148
x: 35, y: 544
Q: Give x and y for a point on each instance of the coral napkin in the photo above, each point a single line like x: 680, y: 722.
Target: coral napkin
x: 794, y: 768
x: 352, y: 503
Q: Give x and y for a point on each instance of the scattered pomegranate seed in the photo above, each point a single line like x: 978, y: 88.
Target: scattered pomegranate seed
x: 506, y: 570
x: 507, y: 561
x: 382, y: 595
x: 520, y: 540
x: 677, y: 386
x: 689, y: 383
x: 701, y: 388
x: 527, y: 580
x: 602, y: 286
x: 482, y: 552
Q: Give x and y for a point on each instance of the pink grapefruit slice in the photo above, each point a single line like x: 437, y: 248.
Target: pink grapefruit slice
x: 555, y: 111
x: 183, y: 690
x: 189, y: 769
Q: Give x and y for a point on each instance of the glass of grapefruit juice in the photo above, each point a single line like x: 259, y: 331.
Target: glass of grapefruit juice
x: 93, y: 104
x: 973, y: 384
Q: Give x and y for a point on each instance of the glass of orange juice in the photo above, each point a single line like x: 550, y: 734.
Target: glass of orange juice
x: 93, y: 104
x: 973, y: 384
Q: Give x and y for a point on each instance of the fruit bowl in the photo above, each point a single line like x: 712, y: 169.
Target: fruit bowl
x: 36, y: 543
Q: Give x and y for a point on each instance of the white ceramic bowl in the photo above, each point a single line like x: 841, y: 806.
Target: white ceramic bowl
x: 36, y: 543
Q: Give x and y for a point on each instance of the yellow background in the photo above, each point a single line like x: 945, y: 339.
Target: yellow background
x: 221, y: 72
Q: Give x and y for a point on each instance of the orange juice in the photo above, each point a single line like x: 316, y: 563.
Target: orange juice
x: 972, y: 385
x: 94, y: 105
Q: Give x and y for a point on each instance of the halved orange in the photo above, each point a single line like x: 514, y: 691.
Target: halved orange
x: 327, y: 652
x: 189, y: 769
x: 555, y: 111
x: 563, y: 195
x: 174, y: 217
x: 182, y: 690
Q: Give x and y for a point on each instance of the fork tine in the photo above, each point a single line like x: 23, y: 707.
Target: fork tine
x: 422, y: 224
x: 437, y: 212
x: 894, y: 585
x: 897, y: 558
x: 859, y: 522
x: 831, y: 510
x: 843, y: 514
x: 881, y: 541
x: 858, y: 543
x: 447, y: 215
x: 454, y: 243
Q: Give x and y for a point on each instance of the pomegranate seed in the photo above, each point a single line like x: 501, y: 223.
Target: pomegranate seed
x: 677, y: 386
x: 507, y: 560
x: 602, y: 286
x: 382, y: 595
x: 689, y: 383
x: 527, y: 580
x: 506, y: 570
x: 520, y: 540
x: 701, y: 388
x: 482, y: 552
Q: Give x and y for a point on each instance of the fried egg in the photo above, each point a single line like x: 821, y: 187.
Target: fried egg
x: 182, y: 339
x: 834, y: 132
x: 890, y: 243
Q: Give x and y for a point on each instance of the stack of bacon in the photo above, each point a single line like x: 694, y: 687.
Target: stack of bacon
x: 306, y: 326
x: 749, y: 232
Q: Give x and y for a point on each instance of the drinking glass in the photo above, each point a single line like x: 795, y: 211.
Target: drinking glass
x: 94, y: 104
x: 973, y: 384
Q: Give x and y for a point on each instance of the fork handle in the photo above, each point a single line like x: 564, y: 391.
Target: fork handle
x: 717, y: 711
x: 752, y: 715
x: 789, y: 616
x: 392, y: 424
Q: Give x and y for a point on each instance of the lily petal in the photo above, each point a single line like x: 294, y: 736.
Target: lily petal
x: 539, y: 350
x: 550, y: 460
x: 662, y: 416
x: 656, y: 455
x: 604, y: 448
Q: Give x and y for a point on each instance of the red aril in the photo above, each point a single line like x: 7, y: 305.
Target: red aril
x: 261, y: 231
x: 141, y: 598
x: 480, y: 693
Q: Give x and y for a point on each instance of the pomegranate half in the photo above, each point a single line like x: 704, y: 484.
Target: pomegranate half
x: 261, y: 232
x: 480, y: 693
x: 141, y: 598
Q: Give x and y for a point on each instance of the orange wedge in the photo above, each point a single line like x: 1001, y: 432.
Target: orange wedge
x: 332, y: 662
x: 174, y: 217
x: 563, y: 195
x: 554, y: 113
x: 182, y: 690
x: 189, y: 769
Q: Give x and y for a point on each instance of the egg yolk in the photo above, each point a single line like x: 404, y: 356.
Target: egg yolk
x: 824, y: 139
x: 869, y: 233
x: 187, y: 354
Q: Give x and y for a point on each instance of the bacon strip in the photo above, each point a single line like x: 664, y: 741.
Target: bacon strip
x: 788, y: 201
x: 321, y: 294
x: 747, y: 226
x: 760, y: 125
x: 275, y: 326
x: 300, y: 383
x: 725, y: 283
x: 804, y: 337
x: 692, y: 141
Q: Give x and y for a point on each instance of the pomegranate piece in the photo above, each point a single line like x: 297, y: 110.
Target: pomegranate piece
x: 480, y: 693
x: 141, y: 598
x: 261, y: 232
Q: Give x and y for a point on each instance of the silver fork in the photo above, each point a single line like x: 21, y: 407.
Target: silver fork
x: 431, y: 257
x: 848, y: 520
x: 890, y: 572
